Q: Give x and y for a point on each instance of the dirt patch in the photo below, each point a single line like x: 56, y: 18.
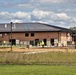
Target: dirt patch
x: 37, y: 49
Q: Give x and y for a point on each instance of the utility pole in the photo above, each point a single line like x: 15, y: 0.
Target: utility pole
x: 11, y: 36
x: 75, y: 41
x: 74, y: 36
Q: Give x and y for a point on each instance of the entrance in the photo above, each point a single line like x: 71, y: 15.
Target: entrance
x: 36, y: 41
x: 52, y: 42
x: 32, y: 43
x: 44, y: 41
x: 13, y: 41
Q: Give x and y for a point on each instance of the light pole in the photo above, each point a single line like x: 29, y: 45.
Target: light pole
x: 11, y: 36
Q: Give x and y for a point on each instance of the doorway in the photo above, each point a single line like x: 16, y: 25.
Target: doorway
x: 32, y: 43
x: 13, y: 41
x: 36, y: 41
x: 44, y: 41
x: 52, y: 42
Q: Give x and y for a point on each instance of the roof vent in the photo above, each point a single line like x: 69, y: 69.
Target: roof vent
x: 14, y: 26
x: 5, y: 25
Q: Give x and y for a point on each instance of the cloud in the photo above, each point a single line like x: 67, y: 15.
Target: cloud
x: 17, y: 15
x: 4, y: 15
x: 49, y: 17
x: 20, y: 15
x: 29, y: 5
x: 69, y: 1
x: 62, y: 16
x: 16, y: 21
x: 40, y: 14
x: 47, y: 1
x: 70, y: 10
x: 73, y: 20
x: 25, y: 6
x: 55, y: 1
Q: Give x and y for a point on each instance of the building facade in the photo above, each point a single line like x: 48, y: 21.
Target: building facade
x: 34, y: 33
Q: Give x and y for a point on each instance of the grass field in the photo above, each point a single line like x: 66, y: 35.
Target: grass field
x: 55, y: 58
x: 57, y: 63
x: 37, y: 70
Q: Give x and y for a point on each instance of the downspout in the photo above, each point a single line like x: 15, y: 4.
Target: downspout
x: 59, y: 36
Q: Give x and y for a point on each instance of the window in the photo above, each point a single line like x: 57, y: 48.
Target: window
x: 69, y: 42
x: 26, y: 34
x: 1, y: 35
x: 32, y: 34
x: 68, y: 34
x: 32, y: 43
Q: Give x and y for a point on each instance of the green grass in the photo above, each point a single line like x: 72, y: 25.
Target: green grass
x: 37, y: 70
x: 55, y: 58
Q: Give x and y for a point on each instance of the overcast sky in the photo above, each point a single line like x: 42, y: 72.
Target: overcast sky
x: 54, y: 12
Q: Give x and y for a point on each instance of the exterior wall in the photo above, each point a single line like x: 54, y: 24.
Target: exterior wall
x: 46, y: 35
x: 64, y: 38
x: 4, y: 37
x: 22, y: 36
x: 69, y: 37
x: 59, y: 37
x: 37, y: 35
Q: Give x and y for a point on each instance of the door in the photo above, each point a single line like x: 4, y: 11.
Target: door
x: 32, y: 43
x: 52, y: 42
x: 36, y: 41
x: 44, y: 41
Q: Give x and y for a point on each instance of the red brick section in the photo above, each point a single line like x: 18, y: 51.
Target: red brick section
x: 38, y: 35
x: 61, y: 36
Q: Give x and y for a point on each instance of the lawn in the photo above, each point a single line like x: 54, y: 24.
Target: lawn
x: 37, y: 70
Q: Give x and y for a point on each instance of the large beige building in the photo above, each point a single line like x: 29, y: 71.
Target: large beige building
x: 34, y: 33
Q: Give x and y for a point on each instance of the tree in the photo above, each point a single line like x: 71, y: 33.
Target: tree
x: 73, y: 28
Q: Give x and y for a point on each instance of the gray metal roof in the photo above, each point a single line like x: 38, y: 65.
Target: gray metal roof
x: 23, y: 27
